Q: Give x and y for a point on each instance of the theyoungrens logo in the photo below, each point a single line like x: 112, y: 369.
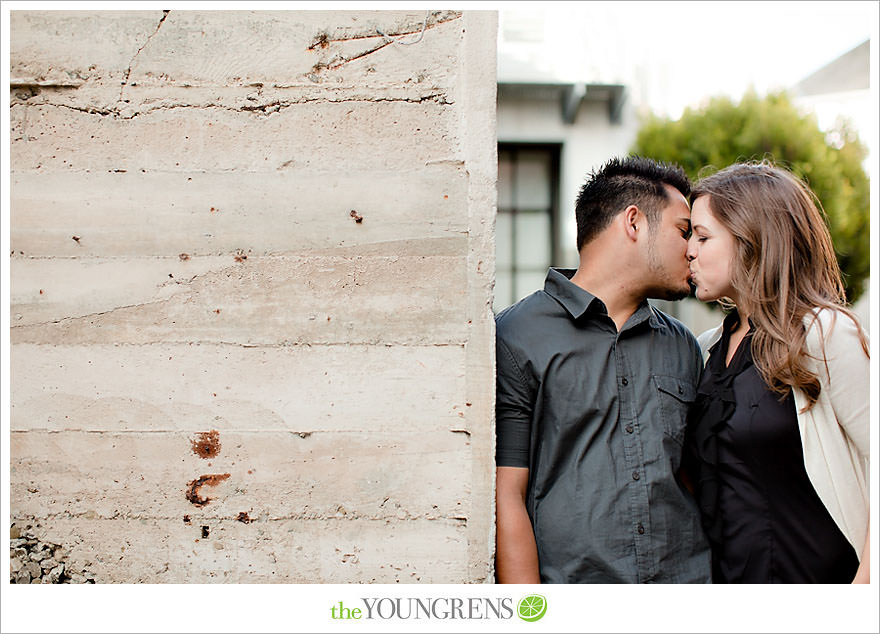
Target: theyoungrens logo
x: 530, y: 608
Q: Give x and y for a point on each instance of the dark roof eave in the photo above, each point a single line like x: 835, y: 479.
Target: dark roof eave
x: 572, y: 94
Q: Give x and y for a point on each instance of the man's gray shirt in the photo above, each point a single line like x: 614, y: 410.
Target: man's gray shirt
x: 598, y: 417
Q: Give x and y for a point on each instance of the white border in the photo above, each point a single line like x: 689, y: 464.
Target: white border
x: 298, y: 608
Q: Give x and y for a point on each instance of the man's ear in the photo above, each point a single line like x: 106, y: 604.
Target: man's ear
x: 631, y: 218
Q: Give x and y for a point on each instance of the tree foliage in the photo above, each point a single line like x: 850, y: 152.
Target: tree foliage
x: 722, y: 132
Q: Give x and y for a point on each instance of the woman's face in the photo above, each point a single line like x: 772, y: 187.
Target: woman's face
x: 710, y: 252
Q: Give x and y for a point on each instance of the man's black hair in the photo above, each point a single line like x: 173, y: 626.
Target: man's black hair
x: 633, y: 180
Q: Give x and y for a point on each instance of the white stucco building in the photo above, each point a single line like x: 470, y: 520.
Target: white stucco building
x: 554, y: 126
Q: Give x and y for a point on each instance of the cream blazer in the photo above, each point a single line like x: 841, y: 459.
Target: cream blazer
x: 835, y: 432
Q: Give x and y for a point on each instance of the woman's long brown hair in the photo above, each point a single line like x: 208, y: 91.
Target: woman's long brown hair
x: 784, y: 266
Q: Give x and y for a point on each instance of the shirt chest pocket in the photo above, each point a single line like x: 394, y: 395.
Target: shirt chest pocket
x: 676, y: 396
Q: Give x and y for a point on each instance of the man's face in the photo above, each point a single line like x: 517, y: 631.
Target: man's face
x: 667, y: 249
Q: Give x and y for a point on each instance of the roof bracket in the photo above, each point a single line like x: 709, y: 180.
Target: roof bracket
x: 571, y: 101
x: 615, y: 104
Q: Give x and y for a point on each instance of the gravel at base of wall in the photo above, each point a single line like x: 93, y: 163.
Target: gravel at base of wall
x: 32, y: 560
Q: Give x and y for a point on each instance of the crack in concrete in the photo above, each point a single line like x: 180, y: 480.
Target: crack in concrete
x: 87, y: 109
x: 323, y: 39
x: 175, y: 281
x: 265, y: 109
x: 90, y: 315
x: 134, y: 57
x: 316, y: 516
x: 278, y: 105
x: 392, y: 434
x: 339, y: 61
x: 342, y: 61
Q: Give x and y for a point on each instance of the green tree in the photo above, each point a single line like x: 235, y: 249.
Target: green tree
x: 722, y: 132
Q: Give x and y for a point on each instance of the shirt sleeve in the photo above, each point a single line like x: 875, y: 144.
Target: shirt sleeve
x: 847, y: 370
x: 514, y: 405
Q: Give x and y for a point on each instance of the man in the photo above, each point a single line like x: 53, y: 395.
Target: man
x: 593, y: 386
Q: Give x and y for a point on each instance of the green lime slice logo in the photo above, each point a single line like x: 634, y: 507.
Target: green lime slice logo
x: 532, y: 608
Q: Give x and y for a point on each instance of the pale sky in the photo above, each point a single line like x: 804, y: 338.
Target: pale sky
x: 678, y: 53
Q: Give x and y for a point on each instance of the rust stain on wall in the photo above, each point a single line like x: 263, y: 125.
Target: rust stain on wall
x: 192, y: 492
x: 206, y: 444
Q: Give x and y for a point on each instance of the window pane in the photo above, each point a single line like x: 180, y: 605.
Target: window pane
x: 532, y: 184
x: 532, y: 240
x: 527, y: 282
x: 503, y: 290
x: 505, y: 181
x: 503, y: 241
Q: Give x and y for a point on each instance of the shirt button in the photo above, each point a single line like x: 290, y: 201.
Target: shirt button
x: 636, y: 475
x: 624, y: 381
x: 641, y: 529
x: 680, y: 390
x: 629, y: 429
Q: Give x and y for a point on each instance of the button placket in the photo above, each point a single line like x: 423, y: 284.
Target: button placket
x: 638, y: 492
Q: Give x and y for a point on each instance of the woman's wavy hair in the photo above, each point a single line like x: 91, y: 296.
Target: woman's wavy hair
x: 784, y: 266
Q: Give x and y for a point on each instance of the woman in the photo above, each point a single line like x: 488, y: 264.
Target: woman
x: 778, y: 438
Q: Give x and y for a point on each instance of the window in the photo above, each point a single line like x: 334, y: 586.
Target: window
x: 525, y: 229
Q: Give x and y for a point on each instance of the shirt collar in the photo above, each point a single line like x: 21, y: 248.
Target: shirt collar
x: 578, y: 301
x: 572, y: 297
x: 732, y: 320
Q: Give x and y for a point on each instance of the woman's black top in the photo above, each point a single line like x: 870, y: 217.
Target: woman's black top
x: 763, y: 518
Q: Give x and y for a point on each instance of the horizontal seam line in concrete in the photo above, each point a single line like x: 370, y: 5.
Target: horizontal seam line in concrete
x: 276, y: 345
x: 233, y: 170
x: 456, y: 519
x: 371, y: 345
x: 301, y: 433
x: 203, y: 172
x: 310, y: 257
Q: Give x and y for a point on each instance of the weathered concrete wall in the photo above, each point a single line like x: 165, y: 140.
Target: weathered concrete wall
x: 186, y: 259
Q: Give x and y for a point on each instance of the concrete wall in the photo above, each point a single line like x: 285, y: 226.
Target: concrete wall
x: 275, y: 226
